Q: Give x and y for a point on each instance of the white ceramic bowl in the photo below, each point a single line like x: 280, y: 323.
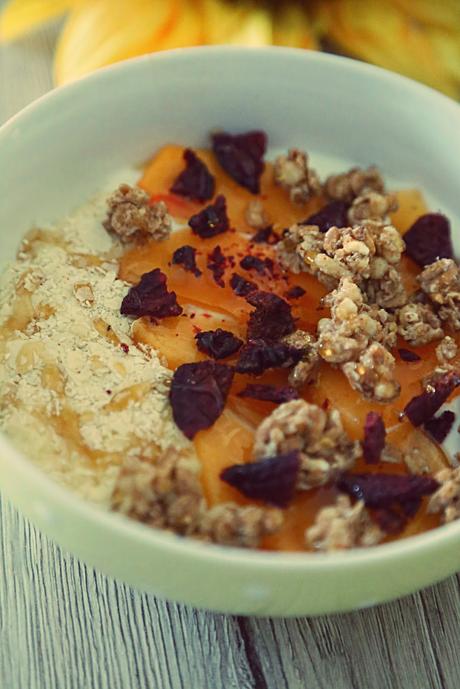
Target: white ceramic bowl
x: 58, y: 151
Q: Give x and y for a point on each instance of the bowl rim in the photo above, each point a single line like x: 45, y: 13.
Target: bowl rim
x: 50, y: 490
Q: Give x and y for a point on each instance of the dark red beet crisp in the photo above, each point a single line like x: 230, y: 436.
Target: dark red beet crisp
x: 260, y: 265
x: 258, y: 356
x: 151, y: 298
x: 387, y: 490
x: 295, y: 292
x: 186, y: 257
x: 198, y: 394
x: 428, y: 239
x: 423, y: 407
x: 374, y: 437
x: 272, y: 479
x: 408, y: 355
x: 216, y: 264
x: 218, y: 343
x: 195, y: 182
x: 241, y: 156
x: 265, y: 236
x: 334, y: 214
x: 269, y: 393
x: 212, y: 220
x: 440, y: 426
x: 272, y: 318
x: 241, y: 286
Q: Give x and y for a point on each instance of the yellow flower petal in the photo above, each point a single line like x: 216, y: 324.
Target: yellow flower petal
x: 292, y: 27
x: 100, y: 32
x: 377, y: 31
x: 440, y: 13
x: 21, y: 16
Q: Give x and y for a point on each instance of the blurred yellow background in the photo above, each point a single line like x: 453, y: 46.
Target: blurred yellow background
x: 418, y: 38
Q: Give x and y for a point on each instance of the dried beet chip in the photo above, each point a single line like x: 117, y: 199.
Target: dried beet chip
x: 241, y: 156
x: 390, y: 520
x: 440, y: 426
x: 387, y: 490
x: 212, y: 220
x: 272, y: 318
x: 374, y: 437
x: 265, y: 236
x: 260, y: 265
x: 198, y: 394
x: 295, y: 292
x: 186, y: 257
x: 334, y: 214
x: 408, y: 355
x: 218, y: 343
x: 428, y: 239
x: 423, y: 407
x: 195, y: 182
x: 272, y: 479
x: 270, y: 393
x: 151, y: 298
x: 216, y: 264
x: 258, y: 356
x: 241, y: 286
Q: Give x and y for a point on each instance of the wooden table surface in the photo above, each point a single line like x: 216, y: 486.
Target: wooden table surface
x: 65, y: 626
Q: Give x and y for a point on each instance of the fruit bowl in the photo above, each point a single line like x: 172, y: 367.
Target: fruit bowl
x: 61, y: 149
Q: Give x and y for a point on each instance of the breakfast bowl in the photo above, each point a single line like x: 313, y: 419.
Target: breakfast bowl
x: 62, y: 149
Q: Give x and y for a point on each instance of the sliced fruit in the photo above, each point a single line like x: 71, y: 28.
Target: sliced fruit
x: 412, y: 205
x: 228, y: 442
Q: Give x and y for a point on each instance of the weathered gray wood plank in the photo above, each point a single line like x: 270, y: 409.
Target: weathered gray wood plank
x: 64, y: 626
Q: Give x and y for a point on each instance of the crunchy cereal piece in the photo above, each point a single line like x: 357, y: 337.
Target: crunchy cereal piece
x: 293, y: 173
x: 389, y: 244
x: 239, y: 525
x: 446, y: 350
x: 441, y: 283
x: 373, y: 374
x: 306, y: 369
x: 385, y: 286
x: 83, y: 293
x: 352, y: 248
x: 368, y: 254
x: 446, y: 500
x: 325, y: 448
x: 348, y: 185
x: 164, y: 494
x: 418, y: 324
x: 353, y: 325
x: 131, y: 217
x: 342, y: 526
x: 371, y: 205
x: 299, y: 246
x: 255, y: 215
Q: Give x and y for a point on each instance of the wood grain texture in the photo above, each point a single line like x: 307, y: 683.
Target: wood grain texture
x: 65, y: 626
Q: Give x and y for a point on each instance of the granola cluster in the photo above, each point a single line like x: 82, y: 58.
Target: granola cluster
x: 306, y: 370
x: 440, y: 281
x: 368, y: 254
x: 446, y: 500
x: 325, y: 448
x: 293, y: 173
x: 165, y: 493
x: 349, y: 185
x: 342, y: 526
x: 131, y: 216
x: 418, y: 324
x: 357, y: 337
